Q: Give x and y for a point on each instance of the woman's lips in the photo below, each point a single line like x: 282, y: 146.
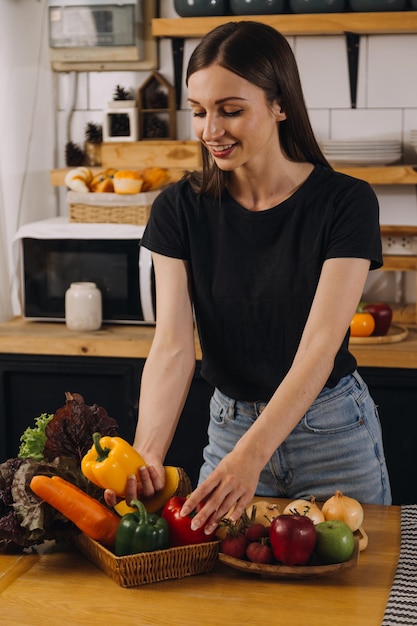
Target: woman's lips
x: 221, y: 152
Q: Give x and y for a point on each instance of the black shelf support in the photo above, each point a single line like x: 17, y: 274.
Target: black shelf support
x: 177, y: 44
x: 352, y: 46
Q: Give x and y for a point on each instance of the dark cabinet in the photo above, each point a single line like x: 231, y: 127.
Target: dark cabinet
x: 395, y: 394
x: 30, y: 385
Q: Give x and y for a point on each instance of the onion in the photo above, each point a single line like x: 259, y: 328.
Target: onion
x: 308, y: 508
x: 345, y: 509
x: 262, y: 512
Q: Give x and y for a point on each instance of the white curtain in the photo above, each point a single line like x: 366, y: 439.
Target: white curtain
x: 5, y: 292
x: 27, y: 130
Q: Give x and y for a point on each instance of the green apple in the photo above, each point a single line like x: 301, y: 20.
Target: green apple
x: 335, y: 542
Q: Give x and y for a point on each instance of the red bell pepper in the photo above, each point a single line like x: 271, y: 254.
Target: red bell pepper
x: 180, y: 531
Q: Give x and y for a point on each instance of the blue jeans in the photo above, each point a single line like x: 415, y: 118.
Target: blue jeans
x: 336, y: 445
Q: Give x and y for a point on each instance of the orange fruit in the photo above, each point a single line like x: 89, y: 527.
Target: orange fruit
x: 362, y: 325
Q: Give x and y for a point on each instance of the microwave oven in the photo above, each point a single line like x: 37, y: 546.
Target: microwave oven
x: 54, y: 253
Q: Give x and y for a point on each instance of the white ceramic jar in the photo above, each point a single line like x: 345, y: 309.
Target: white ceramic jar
x: 83, y: 306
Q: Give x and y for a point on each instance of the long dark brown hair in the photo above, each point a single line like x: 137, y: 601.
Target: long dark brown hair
x: 260, y: 54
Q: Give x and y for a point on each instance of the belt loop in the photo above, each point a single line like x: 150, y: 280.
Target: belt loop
x: 231, y: 408
x: 259, y: 407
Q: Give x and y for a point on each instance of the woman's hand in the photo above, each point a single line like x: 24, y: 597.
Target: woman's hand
x: 152, y: 480
x: 231, y: 484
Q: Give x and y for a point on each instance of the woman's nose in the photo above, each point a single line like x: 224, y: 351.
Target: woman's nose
x: 212, y: 128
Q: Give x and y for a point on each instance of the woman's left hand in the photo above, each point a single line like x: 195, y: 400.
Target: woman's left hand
x: 151, y: 481
x: 231, y: 485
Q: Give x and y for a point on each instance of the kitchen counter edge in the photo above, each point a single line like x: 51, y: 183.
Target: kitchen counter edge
x: 19, y: 336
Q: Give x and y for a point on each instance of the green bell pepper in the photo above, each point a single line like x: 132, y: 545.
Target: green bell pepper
x: 141, y: 532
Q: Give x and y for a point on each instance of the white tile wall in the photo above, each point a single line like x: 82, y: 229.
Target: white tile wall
x: 397, y: 205
x: 366, y: 123
x: 392, y: 71
x: 386, y: 104
x: 322, y: 63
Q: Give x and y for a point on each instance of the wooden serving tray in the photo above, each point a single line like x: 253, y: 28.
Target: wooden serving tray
x: 395, y: 334
x: 290, y: 571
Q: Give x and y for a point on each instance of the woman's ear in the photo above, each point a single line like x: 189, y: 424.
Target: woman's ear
x: 279, y: 114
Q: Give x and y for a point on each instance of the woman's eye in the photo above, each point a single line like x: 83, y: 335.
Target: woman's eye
x: 198, y: 113
x: 233, y: 113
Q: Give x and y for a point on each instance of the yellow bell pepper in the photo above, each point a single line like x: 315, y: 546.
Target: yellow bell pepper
x: 109, y: 463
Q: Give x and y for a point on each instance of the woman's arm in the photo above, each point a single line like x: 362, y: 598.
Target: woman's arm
x: 234, y: 481
x: 167, y: 373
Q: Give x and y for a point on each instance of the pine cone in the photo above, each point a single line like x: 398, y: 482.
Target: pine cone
x: 156, y: 98
x: 74, y: 155
x: 94, y: 132
x: 120, y: 93
x: 155, y: 128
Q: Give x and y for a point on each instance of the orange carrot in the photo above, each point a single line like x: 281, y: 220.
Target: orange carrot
x: 88, y: 514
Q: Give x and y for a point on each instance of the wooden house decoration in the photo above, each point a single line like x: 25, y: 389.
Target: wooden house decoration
x: 157, y: 110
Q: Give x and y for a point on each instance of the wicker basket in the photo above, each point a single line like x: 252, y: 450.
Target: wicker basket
x: 110, y: 208
x: 150, y: 567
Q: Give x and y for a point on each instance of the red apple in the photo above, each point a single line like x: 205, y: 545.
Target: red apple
x: 293, y: 538
x: 382, y: 314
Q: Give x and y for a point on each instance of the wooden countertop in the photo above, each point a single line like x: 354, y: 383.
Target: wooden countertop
x: 23, y: 337
x: 120, y: 341
x: 63, y: 587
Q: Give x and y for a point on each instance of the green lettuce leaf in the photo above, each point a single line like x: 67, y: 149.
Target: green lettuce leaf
x: 32, y: 442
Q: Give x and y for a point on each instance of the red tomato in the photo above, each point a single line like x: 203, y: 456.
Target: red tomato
x: 362, y: 325
x: 259, y: 552
x: 234, y: 545
x: 256, y: 531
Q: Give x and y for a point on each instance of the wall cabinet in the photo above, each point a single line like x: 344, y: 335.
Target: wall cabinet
x: 32, y: 384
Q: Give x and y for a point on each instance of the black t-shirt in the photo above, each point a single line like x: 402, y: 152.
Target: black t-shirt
x: 254, y: 273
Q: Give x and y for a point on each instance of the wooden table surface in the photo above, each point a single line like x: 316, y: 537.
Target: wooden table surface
x: 62, y: 587
x: 19, y: 336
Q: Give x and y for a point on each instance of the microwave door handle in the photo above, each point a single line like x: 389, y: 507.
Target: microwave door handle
x: 145, y: 284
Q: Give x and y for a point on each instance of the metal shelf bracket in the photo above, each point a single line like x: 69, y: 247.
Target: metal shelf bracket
x: 177, y: 45
x: 352, y: 47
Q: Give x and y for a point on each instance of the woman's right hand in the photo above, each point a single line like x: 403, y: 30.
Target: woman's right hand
x: 152, y: 480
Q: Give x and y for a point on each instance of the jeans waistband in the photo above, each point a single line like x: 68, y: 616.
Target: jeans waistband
x: 256, y: 406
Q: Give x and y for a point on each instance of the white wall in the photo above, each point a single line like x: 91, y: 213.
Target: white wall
x: 27, y: 128
x: 386, y: 107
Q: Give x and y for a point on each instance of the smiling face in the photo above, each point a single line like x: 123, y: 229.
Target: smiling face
x: 233, y: 119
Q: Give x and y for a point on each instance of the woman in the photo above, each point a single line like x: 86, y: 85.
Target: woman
x: 272, y: 249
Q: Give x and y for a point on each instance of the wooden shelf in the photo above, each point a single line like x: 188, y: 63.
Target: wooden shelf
x: 400, y: 263
x: 386, y: 175
x: 351, y: 25
x: 389, y: 175
x: 390, y: 22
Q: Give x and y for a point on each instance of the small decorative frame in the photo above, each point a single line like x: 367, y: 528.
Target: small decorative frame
x: 121, y: 121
